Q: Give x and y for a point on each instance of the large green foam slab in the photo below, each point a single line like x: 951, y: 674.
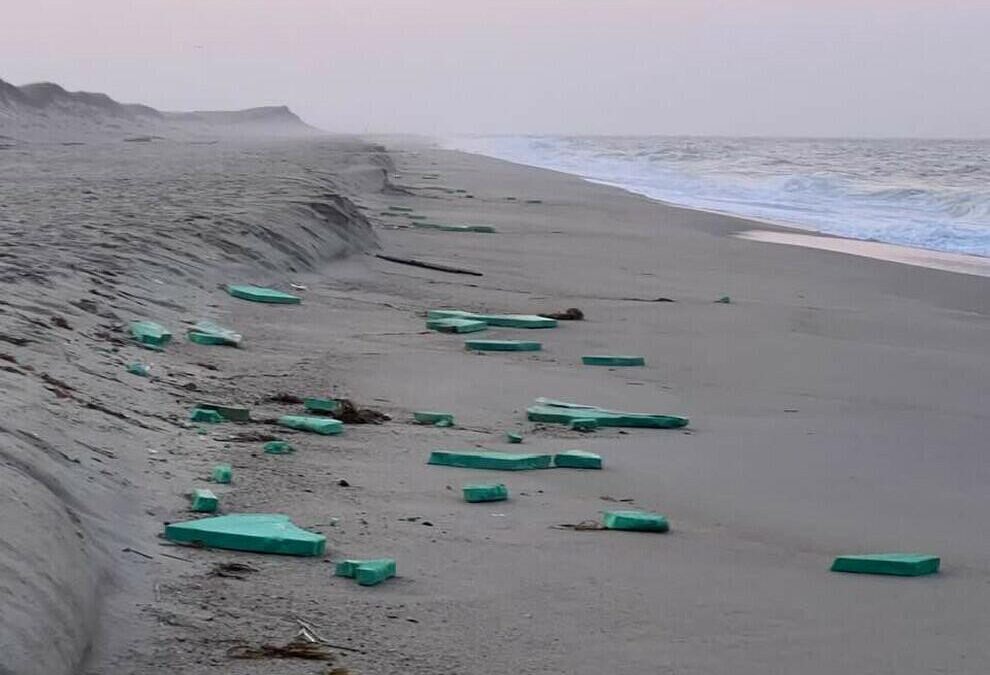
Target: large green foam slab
x: 498, y: 320
x: 150, y: 334
x: 497, y: 461
x: 635, y: 521
x: 560, y: 412
x: 456, y: 325
x: 261, y: 294
x: 317, y: 425
x: 614, y: 361
x: 209, y: 333
x: 228, y: 412
x: 254, y: 532
x: 577, y: 459
x: 503, y: 345
x: 897, y: 564
x: 490, y: 492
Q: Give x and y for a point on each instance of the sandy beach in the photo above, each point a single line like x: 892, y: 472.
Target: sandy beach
x: 837, y: 404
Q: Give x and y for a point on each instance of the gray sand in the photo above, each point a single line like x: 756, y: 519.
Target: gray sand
x: 838, y: 405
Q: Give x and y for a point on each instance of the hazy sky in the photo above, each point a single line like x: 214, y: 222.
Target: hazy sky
x: 765, y: 67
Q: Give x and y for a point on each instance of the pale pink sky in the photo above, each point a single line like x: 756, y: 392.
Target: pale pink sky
x: 766, y: 67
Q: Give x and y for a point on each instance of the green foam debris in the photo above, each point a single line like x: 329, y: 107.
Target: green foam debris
x: 366, y: 572
x: 278, y: 448
x: 317, y: 425
x: 253, y: 532
x: 138, y: 369
x: 480, y: 229
x: 204, y: 501
x: 222, y: 473
x: 205, y: 416
x: 327, y: 405
x: 513, y: 437
x: 897, y: 564
x: 209, y: 333
x: 456, y: 325
x: 503, y: 345
x: 495, y: 320
x: 228, y: 412
x: 583, y: 424
x: 635, y: 521
x: 601, y: 360
x: 261, y: 294
x: 560, y: 412
x: 490, y: 492
x: 400, y: 209
x: 150, y: 334
x: 577, y: 459
x: 497, y: 461
x: 432, y: 417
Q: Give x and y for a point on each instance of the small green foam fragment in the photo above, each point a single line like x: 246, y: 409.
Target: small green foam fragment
x: 253, y: 532
x: 222, y: 473
x: 456, y: 325
x: 317, y: 425
x: 278, y: 448
x: 602, y: 360
x: 513, y: 437
x: 204, y: 501
x: 559, y: 412
x: 897, y: 564
x: 583, y: 424
x: 228, y: 412
x: 205, y: 416
x: 261, y: 294
x: 400, y: 209
x: 577, y: 459
x: 209, y: 333
x: 327, y: 405
x: 374, y: 572
x: 150, y: 334
x: 433, y: 417
x: 503, y: 345
x: 497, y: 461
x: 490, y: 492
x: 495, y: 320
x: 724, y: 300
x: 635, y: 521
x: 138, y: 369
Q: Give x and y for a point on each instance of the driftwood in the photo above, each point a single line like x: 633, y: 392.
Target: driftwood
x: 429, y: 266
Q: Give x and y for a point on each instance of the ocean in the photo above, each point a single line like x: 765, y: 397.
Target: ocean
x: 932, y: 194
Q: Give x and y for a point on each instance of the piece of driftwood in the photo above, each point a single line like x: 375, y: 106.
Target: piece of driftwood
x: 429, y: 266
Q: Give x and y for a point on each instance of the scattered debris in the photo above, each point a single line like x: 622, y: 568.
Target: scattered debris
x: 206, y: 416
x: 896, y: 564
x: 490, y: 492
x: 613, y: 360
x: 635, y: 521
x: 321, y: 405
x: 569, y: 314
x: 561, y: 412
x: 577, y: 459
x: 261, y: 294
x: 430, y: 266
x: 233, y: 570
x: 609, y: 498
x: 513, y: 437
x: 496, y: 320
x: 299, y: 648
x: 253, y: 532
x: 249, y: 437
x: 278, y: 448
x: 503, y: 345
x: 453, y: 325
x: 316, y: 425
x: 583, y: 424
x: 498, y: 461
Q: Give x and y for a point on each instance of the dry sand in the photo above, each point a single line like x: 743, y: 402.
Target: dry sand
x: 838, y: 405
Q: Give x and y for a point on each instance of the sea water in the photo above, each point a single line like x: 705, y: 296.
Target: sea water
x: 932, y: 194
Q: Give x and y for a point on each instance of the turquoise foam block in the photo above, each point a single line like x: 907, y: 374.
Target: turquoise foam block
x: 498, y: 461
x: 635, y: 521
x: 261, y: 294
x: 433, y: 417
x: 897, y: 564
x: 228, y: 412
x: 491, y: 492
x: 138, y: 369
x: 222, y: 473
x: 400, y: 209
x: 503, y: 345
x: 209, y: 333
x: 614, y: 361
x: 497, y: 320
x: 577, y: 459
x: 150, y: 334
x: 278, y: 448
x: 456, y: 325
x: 205, y: 416
x: 374, y: 572
x: 317, y: 425
x: 327, y: 405
x: 559, y: 412
x: 253, y: 532
x: 349, y: 568
x: 204, y: 501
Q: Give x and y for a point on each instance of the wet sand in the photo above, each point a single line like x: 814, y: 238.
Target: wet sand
x: 837, y: 405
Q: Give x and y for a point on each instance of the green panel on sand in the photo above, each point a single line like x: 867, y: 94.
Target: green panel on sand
x: 254, y: 532
x: 228, y: 412
x: 497, y: 461
x: 503, y: 345
x: 456, y: 325
x: 613, y: 361
x: 278, y: 448
x: 327, y: 405
x: 635, y: 521
x: 150, y: 334
x: 204, y: 501
x: 513, y: 437
x: 577, y: 459
x: 222, y: 473
x: 898, y: 564
x: 497, y: 320
x: 491, y: 492
x: 432, y: 417
x: 317, y: 425
x: 205, y: 416
x: 261, y: 294
x: 138, y: 369
x: 559, y: 412
x: 209, y: 333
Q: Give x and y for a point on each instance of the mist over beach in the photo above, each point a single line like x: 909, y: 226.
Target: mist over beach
x: 534, y: 337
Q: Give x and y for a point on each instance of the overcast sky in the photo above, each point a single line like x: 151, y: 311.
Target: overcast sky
x: 731, y: 67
